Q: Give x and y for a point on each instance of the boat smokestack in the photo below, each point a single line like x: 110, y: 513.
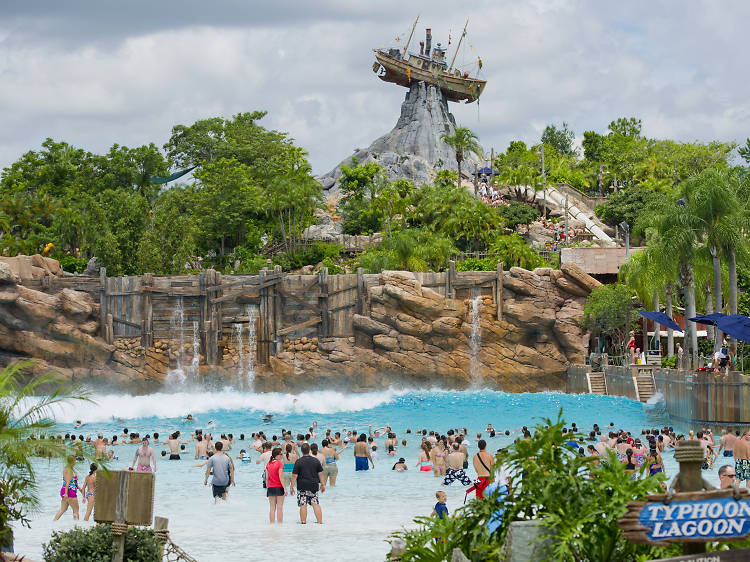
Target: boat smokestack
x: 428, y: 42
x: 421, y: 47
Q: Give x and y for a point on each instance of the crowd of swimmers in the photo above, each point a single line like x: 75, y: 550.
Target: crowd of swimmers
x: 298, y: 462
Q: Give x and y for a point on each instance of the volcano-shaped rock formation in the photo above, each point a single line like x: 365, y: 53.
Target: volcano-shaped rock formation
x: 414, y: 149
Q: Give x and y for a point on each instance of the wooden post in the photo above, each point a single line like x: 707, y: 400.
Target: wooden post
x: 492, y: 166
x: 325, y: 328
x: 212, y: 343
x: 147, y: 312
x: 219, y: 310
x: 203, y: 310
x: 110, y: 329
x: 451, y: 292
x: 103, y: 302
x: 120, y: 511
x: 276, y: 313
x: 361, y: 291
x: 689, y: 453
x: 262, y: 344
x: 476, y: 179
x: 160, y: 524
x: 499, y: 291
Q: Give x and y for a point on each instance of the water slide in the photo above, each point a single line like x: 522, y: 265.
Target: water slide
x: 574, y: 213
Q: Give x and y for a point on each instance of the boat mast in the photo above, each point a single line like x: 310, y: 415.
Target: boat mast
x: 413, y: 27
x: 458, y: 46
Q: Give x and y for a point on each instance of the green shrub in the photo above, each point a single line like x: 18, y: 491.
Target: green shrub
x: 669, y: 361
x: 478, y: 264
x: 72, y: 264
x: 333, y: 267
x: 95, y: 545
x: 311, y: 255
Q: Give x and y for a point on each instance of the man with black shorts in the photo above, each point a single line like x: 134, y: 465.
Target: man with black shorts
x: 307, y: 476
x: 223, y: 472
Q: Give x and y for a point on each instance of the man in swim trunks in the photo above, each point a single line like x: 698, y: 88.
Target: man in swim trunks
x: 307, y: 477
x: 174, y: 447
x: 144, y: 455
x: 483, y: 462
x: 223, y: 473
x: 455, y: 467
x: 100, y: 446
x: 742, y: 459
x: 200, y: 447
x: 726, y: 442
x: 362, y: 454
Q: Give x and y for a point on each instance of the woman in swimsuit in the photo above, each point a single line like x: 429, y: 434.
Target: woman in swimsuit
x: 629, y: 462
x: 69, y: 490
x: 330, y: 468
x: 438, y: 459
x: 89, y: 491
x: 654, y: 463
x: 639, y: 453
x: 289, y: 458
x: 424, y: 458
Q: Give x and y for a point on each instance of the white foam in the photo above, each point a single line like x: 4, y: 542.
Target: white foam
x: 178, y: 404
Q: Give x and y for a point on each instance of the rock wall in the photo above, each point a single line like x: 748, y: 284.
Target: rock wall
x: 414, y: 148
x: 414, y: 335
x: 409, y: 335
x: 60, y: 332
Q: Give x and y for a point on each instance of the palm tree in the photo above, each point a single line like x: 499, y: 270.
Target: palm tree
x: 25, y: 418
x: 463, y: 141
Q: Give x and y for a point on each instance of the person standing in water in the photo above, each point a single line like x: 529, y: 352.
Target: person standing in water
x: 483, y: 462
x: 89, y: 491
x: 330, y: 468
x: 307, y: 475
x: 223, y: 473
x: 362, y: 454
x: 275, y: 490
x: 69, y: 490
x: 144, y: 455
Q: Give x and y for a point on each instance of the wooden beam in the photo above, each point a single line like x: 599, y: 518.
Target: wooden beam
x: 499, y: 291
x: 342, y: 307
x: 125, y: 322
x: 361, y: 291
x: 305, y: 324
x: 325, y: 328
x: 147, y: 313
x: 103, y: 302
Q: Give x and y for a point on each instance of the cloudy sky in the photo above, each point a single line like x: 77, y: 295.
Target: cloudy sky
x: 98, y: 72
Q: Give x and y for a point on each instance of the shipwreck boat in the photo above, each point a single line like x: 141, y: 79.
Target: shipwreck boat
x: 429, y: 65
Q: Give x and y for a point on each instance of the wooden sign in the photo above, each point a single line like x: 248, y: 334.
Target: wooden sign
x: 136, y: 491
x: 689, y: 517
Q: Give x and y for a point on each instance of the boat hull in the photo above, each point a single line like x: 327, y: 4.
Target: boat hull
x: 402, y: 73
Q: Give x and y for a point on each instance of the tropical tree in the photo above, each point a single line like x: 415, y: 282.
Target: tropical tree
x: 464, y: 141
x: 609, y: 309
x: 26, y: 412
x: 561, y: 139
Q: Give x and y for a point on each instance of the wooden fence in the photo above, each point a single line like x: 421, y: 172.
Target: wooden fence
x: 705, y: 398
x: 281, y: 305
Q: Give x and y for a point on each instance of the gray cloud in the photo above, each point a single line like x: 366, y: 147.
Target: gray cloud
x: 96, y: 73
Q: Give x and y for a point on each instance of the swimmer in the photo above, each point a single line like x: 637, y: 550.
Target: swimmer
x: 78, y: 424
x: 211, y: 424
x: 400, y: 466
x: 188, y: 418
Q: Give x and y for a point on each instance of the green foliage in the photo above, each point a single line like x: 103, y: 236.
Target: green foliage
x: 411, y: 250
x: 561, y: 139
x: 23, y: 415
x: 478, y: 264
x: 361, y: 183
x: 513, y: 251
x: 517, y: 213
x: 576, y: 498
x: 72, y: 264
x: 744, y: 151
x: 169, y: 240
x: 95, y: 544
x: 626, y: 127
x: 626, y: 205
x: 669, y: 361
x: 308, y: 255
x: 609, y: 310
x: 464, y: 141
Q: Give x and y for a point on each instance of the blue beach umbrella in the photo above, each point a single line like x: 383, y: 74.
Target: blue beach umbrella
x: 660, y: 318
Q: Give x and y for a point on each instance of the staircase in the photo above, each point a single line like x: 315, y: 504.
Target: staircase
x: 597, y: 384
x: 644, y: 386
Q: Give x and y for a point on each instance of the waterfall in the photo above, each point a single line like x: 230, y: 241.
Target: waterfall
x: 475, y: 342
x: 252, y: 316
x: 176, y: 326
x: 237, y: 342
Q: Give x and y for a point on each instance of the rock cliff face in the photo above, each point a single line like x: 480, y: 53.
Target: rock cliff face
x: 59, y: 332
x: 416, y: 336
x: 414, y: 149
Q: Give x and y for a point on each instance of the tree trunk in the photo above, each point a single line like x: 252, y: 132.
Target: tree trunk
x: 283, y: 232
x: 670, y: 331
x: 690, y: 313
x: 709, y: 310
x: 719, y: 306
x: 458, y: 181
x: 657, y: 329
x: 733, y: 295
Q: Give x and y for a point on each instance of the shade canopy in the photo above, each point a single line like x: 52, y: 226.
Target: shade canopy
x: 486, y: 171
x: 660, y: 318
x: 734, y: 325
x: 171, y: 177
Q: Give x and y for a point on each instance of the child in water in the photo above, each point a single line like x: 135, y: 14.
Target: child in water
x: 440, y: 510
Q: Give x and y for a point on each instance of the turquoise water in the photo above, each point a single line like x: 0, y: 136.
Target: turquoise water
x: 359, y: 512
